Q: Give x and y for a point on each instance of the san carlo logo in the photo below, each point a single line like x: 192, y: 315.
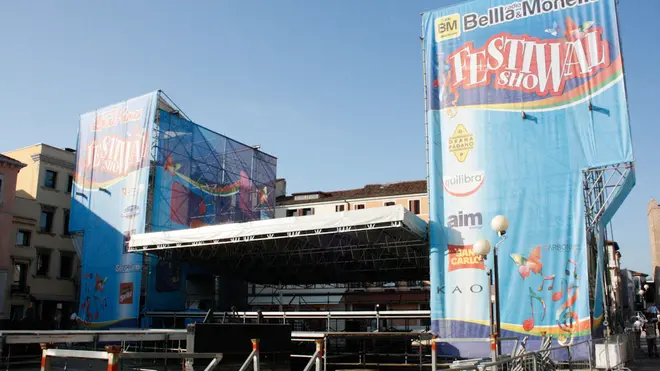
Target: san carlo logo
x: 463, y: 257
x: 463, y: 185
x: 461, y: 142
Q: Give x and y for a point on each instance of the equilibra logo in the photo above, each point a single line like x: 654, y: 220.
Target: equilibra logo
x: 463, y: 257
x: 463, y: 185
x: 465, y: 220
x: 115, y: 116
x: 461, y: 142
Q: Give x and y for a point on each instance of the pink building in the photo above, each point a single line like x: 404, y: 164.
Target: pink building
x: 9, y: 169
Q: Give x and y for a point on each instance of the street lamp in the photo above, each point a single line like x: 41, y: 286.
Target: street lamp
x: 646, y: 287
x: 499, y: 224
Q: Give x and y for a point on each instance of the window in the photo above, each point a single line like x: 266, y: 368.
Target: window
x: 389, y: 203
x: 51, y: 179
x: 66, y: 265
x: 413, y: 205
x: 300, y: 212
x: 43, y: 263
x: 1, y: 187
x: 339, y: 208
x: 20, y: 277
x: 359, y: 206
x: 23, y: 238
x: 66, y: 222
x: 46, y: 222
x: 69, y: 186
x: 307, y: 211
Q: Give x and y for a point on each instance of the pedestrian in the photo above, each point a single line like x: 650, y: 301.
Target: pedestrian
x: 650, y: 328
x: 637, y: 328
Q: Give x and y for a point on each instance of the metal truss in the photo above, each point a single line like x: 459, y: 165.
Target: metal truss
x: 601, y: 185
x: 354, y: 254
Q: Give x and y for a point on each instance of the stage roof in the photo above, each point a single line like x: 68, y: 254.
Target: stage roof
x: 379, y: 244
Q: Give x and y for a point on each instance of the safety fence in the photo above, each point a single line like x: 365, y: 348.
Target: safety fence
x: 161, y: 350
x: 602, y: 354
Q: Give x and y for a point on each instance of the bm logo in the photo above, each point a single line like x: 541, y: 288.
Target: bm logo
x: 448, y: 27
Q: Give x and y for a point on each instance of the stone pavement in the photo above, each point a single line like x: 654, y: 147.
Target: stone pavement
x: 642, y: 361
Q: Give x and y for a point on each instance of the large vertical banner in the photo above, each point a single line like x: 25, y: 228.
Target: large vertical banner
x: 522, y: 96
x: 109, y: 204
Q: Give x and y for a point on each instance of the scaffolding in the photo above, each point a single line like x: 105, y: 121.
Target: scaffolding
x: 604, y: 190
x: 199, y: 177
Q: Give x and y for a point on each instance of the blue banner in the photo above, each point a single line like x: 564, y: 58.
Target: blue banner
x: 522, y: 97
x: 201, y: 178
x: 109, y: 204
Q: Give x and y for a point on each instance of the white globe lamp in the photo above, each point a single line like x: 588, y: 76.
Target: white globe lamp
x: 481, y: 248
x: 641, y: 292
x: 646, y: 287
x: 500, y: 224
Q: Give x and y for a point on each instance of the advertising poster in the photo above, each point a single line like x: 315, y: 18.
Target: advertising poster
x: 201, y: 178
x: 522, y: 97
x: 109, y: 205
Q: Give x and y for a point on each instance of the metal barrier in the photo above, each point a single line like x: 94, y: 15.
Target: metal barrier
x: 603, y: 354
x: 114, y: 353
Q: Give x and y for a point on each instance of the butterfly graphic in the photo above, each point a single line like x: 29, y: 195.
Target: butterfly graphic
x: 573, y: 31
x: 531, y: 264
x: 554, y: 31
x: 100, y: 283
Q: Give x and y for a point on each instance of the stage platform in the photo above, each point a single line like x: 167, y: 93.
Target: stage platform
x: 379, y: 244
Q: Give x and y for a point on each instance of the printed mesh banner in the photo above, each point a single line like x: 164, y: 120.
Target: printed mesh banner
x: 109, y: 204
x: 201, y: 178
x: 522, y: 97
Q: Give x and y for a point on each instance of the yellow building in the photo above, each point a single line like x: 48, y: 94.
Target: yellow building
x: 45, y: 263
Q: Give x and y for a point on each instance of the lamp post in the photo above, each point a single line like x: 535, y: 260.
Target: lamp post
x: 499, y: 224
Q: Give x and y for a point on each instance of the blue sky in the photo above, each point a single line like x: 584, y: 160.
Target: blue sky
x: 332, y: 88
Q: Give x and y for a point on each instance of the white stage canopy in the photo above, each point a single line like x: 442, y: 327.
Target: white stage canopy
x: 339, y: 247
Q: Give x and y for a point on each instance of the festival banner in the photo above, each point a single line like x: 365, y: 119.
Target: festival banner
x: 522, y: 97
x: 201, y: 178
x: 109, y: 205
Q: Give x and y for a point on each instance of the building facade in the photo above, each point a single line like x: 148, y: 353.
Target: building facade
x: 654, y: 231
x: 45, y: 263
x: 412, y: 195
x: 357, y: 296
x: 9, y: 169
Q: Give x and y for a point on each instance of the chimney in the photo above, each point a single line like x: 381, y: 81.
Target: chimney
x: 280, y: 187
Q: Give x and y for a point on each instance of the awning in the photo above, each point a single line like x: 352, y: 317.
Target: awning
x: 352, y: 246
